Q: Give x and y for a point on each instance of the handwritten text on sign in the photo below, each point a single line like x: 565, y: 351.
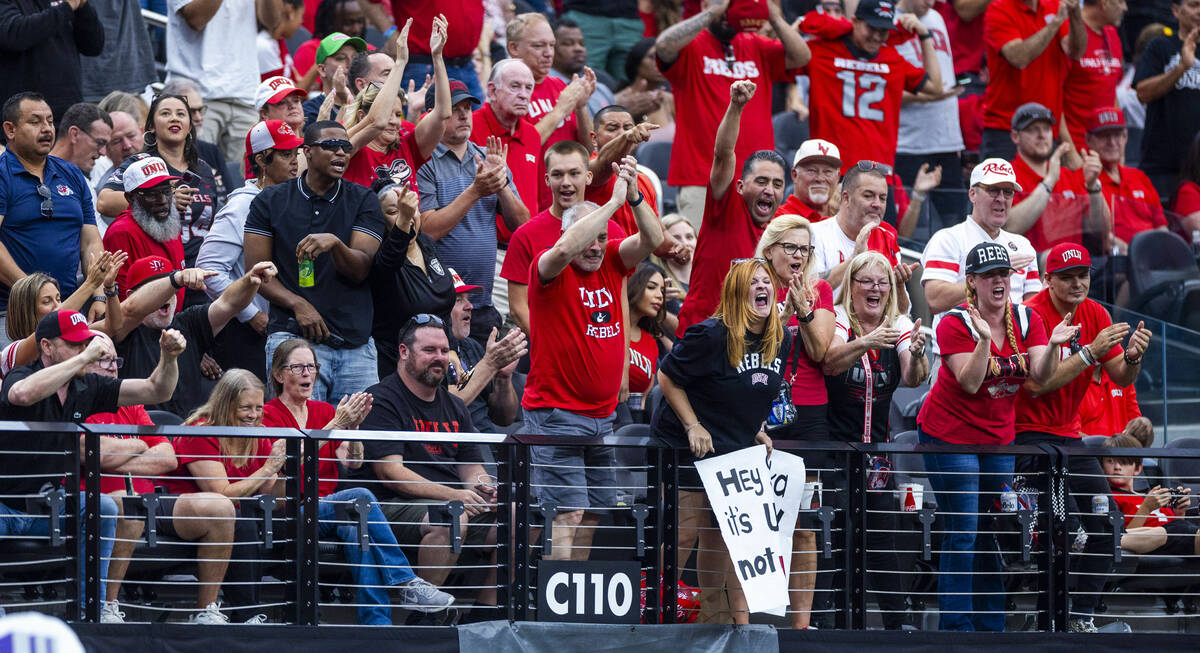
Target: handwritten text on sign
x: 756, y: 501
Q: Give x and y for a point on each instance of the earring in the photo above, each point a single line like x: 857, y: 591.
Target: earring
x: 150, y: 139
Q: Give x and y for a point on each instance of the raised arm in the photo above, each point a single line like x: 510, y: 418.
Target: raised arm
x: 46, y: 381
x: 431, y: 126
x: 578, y: 236
x: 160, y: 385
x: 239, y: 294
x: 1153, y: 88
x: 153, y: 294
x: 635, y: 249
x: 929, y: 61
x: 380, y: 113
x: 617, y: 149
x: 1021, y: 52
x: 795, y: 49
x: 724, y: 165
x: 197, y: 13
x: 1075, y: 43
x: 675, y: 37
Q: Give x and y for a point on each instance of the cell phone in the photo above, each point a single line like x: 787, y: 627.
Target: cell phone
x: 190, y: 179
x: 963, y: 80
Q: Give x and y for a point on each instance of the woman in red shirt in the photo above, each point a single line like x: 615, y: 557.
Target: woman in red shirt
x: 988, y: 348
x: 647, y: 333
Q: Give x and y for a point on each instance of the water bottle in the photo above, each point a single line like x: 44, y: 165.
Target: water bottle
x: 1008, y: 499
x: 306, y: 273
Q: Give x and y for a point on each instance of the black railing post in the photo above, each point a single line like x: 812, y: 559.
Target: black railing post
x: 301, y: 511
x: 1057, y: 556
x: 521, y: 553
x: 505, y: 596
x: 667, y: 506
x: 71, y: 533
x: 91, y: 527
x: 855, y: 536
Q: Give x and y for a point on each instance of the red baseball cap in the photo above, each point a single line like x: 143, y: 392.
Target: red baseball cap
x: 459, y: 284
x: 1067, y: 256
x: 1106, y: 118
x: 148, y: 268
x: 69, y: 325
x: 272, y: 90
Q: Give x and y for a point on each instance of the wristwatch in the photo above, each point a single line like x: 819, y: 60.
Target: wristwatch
x: 111, y: 293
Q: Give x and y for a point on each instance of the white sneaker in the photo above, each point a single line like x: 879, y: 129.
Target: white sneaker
x: 210, y: 615
x: 109, y: 614
x: 256, y: 619
x: 421, y: 595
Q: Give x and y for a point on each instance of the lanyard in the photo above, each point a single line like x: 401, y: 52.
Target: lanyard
x: 869, y: 399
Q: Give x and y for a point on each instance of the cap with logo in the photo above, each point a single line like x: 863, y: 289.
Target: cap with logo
x: 815, y: 148
x: 148, y: 268
x: 458, y: 93
x: 1105, y: 118
x: 992, y: 172
x: 1067, y: 256
x: 69, y: 325
x: 747, y: 15
x: 880, y: 14
x: 272, y: 90
x: 269, y: 134
x: 147, y: 172
x: 335, y: 41
x: 986, y: 257
x: 461, y: 286
x: 1029, y: 113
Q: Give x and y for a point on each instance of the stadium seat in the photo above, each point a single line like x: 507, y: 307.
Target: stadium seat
x: 235, y: 175
x: 1094, y: 440
x: 906, y: 403
x: 1182, y: 471
x: 299, y: 38
x: 164, y: 418
x: 1164, y: 281
x: 1133, y: 147
x: 789, y: 132
x: 655, y: 155
x: 656, y: 183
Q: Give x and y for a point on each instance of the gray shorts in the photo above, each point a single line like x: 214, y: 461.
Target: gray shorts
x: 574, y: 478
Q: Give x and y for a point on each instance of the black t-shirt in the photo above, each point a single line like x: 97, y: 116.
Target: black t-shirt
x: 397, y: 409
x: 731, y: 403
x: 86, y: 396
x: 401, y: 290
x: 848, y: 392
x: 1172, y: 120
x: 141, y: 352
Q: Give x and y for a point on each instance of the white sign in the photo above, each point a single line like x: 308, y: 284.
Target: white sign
x: 756, y: 500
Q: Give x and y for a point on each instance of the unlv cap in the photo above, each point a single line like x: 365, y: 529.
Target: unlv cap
x: 69, y: 325
x: 986, y: 257
x: 1105, y: 118
x: 1067, y: 256
x: 148, y: 268
x: 147, y: 172
x: 991, y: 172
x: 272, y: 90
x: 815, y: 148
x: 271, y: 134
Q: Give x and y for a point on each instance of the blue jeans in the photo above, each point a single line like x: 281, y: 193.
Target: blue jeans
x: 970, y: 580
x: 15, y: 522
x: 465, y: 74
x: 343, y: 371
x: 382, y: 565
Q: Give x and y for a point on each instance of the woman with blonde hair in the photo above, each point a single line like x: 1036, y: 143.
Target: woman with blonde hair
x: 718, y: 384
x: 989, y: 347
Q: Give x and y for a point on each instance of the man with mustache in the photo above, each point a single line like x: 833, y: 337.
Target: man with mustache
x: 151, y: 226
x: 814, y: 177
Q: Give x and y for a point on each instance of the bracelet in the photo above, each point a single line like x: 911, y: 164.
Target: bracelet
x: 1086, y: 355
x: 689, y: 427
x: 98, y: 298
x: 640, y: 199
x: 111, y: 293
x: 1049, y: 190
x: 388, y: 34
x: 1094, y: 191
x: 807, y: 318
x: 919, y: 195
x: 926, y: 36
x: 1133, y: 363
x: 175, y: 284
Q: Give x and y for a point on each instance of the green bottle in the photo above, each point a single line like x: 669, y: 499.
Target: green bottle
x: 306, y: 273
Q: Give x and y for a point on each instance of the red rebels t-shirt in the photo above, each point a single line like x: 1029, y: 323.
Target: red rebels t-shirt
x: 124, y: 234
x: 624, y: 215
x: 1134, y: 203
x: 1129, y: 504
x: 950, y: 414
x: 802, y: 372
x: 533, y: 238
x: 793, y: 206
x: 1062, y: 219
x: 966, y: 38
x: 700, y: 79
x: 860, y: 108
x: 319, y: 414
x: 1092, y: 81
x: 400, y: 161
x: 727, y: 232
x: 1041, y: 81
x: 1107, y: 407
x: 1057, y: 412
x: 136, y: 416
x: 643, y: 361
x: 524, y: 158
x: 578, y: 345
x: 191, y: 449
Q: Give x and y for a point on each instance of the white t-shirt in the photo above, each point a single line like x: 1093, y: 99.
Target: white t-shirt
x: 216, y: 57
x: 831, y: 247
x: 8, y: 358
x: 841, y: 328
x: 930, y: 127
x: 271, y: 59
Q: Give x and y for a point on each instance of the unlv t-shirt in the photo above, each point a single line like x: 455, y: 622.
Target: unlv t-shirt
x: 950, y: 414
x: 1057, y: 412
x: 400, y: 162
x: 808, y: 382
x: 1092, y: 81
x: 860, y: 110
x: 643, y: 360
x: 1107, y: 407
x: 700, y: 79
x: 577, y: 350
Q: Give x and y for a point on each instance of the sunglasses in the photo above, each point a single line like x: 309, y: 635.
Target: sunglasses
x: 867, y: 166
x: 421, y: 319
x: 333, y: 145
x: 743, y: 260
x: 47, y: 201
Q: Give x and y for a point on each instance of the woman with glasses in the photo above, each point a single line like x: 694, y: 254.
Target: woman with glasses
x: 36, y: 295
x: 989, y: 347
x: 874, y: 349
x: 293, y: 369
x: 384, y: 145
x: 718, y: 385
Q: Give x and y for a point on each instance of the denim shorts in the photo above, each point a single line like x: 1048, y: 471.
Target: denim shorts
x: 573, y: 478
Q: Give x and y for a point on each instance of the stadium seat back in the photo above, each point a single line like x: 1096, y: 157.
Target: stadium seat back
x: 789, y: 132
x: 299, y: 38
x: 655, y: 155
x: 164, y: 418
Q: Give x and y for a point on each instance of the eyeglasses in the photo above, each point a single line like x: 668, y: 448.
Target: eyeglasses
x: 993, y: 191
x: 115, y: 363
x: 791, y: 248
x: 47, y: 201
x: 198, y: 112
x: 301, y: 368
x: 100, y: 144
x: 421, y: 319
x: 333, y: 145
x: 152, y: 194
x: 871, y: 283
x: 867, y: 166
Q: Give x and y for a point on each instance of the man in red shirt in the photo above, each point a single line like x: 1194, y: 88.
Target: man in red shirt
x: 1055, y: 204
x: 1029, y: 46
x: 1092, y: 79
x: 579, y: 357
x: 1131, y: 197
x: 735, y: 214
x: 1109, y: 409
x: 465, y: 15
x: 568, y: 176
x: 700, y: 56
x: 504, y: 116
x: 151, y: 226
x: 814, y: 178
x: 1049, y: 413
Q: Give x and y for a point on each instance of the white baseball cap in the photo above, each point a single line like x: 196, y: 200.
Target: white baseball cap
x: 146, y: 172
x: 991, y: 172
x: 273, y: 89
x: 816, y: 148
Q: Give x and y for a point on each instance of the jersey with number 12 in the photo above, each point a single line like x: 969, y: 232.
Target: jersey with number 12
x: 855, y: 101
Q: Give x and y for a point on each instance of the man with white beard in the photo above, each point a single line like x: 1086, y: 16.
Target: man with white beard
x: 151, y: 226
x: 814, y: 178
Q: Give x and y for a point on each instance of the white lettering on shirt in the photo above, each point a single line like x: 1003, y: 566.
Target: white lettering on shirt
x: 755, y: 361
x: 736, y: 70
x: 638, y: 360
x: 867, y: 66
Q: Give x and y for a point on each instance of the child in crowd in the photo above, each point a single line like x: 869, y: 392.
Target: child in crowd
x: 1152, y: 520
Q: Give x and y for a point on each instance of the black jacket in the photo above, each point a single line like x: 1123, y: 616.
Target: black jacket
x: 40, y: 47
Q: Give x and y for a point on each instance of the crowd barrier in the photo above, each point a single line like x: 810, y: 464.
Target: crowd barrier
x: 870, y: 551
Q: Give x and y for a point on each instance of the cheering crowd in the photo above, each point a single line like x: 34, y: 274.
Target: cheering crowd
x: 449, y: 230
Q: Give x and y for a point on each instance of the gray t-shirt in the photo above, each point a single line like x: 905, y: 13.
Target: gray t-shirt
x: 127, y: 62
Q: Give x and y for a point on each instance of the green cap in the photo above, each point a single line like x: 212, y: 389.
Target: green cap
x: 335, y: 41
